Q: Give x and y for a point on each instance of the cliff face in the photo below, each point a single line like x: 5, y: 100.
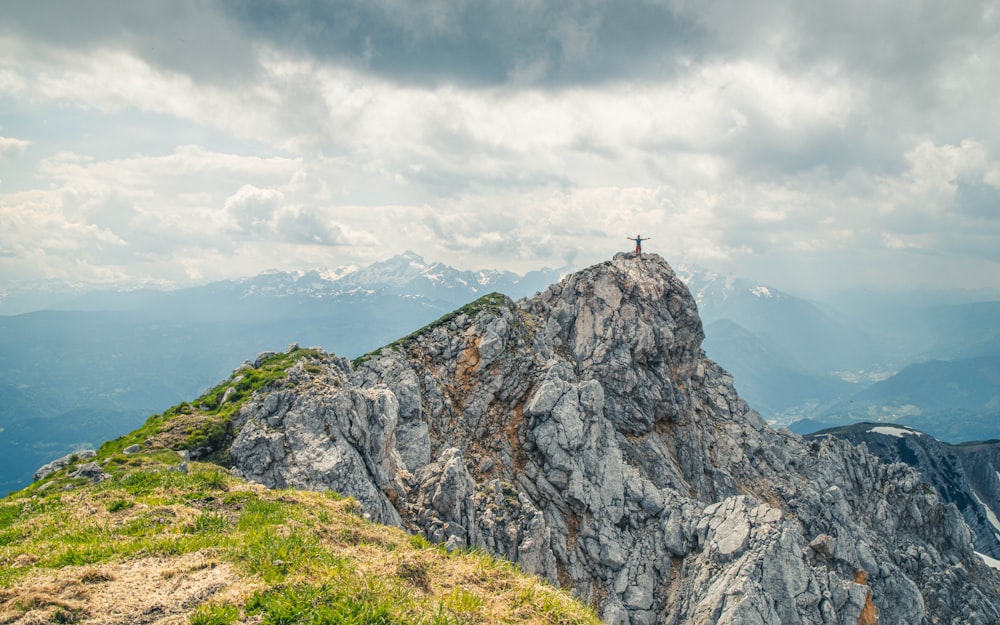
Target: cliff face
x: 965, y: 475
x: 583, y: 434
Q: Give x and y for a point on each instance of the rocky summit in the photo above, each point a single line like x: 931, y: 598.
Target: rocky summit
x: 583, y: 434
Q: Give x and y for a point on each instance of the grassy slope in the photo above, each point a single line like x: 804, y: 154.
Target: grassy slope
x: 231, y: 552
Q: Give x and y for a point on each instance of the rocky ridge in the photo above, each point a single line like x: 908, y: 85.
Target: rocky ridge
x: 965, y: 475
x: 583, y: 434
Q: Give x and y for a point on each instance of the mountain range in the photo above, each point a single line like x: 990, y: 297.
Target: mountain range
x: 106, y: 359
x: 94, y: 363
x: 580, y: 433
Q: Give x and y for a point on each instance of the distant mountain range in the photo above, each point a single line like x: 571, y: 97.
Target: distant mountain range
x: 105, y: 360
x: 929, y: 361
x: 88, y: 365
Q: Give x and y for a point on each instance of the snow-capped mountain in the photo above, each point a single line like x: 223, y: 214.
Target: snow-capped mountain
x: 815, y: 340
x: 406, y: 274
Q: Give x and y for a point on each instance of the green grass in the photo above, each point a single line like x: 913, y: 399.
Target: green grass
x: 206, y: 423
x: 306, y: 557
x: 215, y: 614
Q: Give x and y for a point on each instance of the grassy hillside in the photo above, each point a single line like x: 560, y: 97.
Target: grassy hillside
x: 158, y: 539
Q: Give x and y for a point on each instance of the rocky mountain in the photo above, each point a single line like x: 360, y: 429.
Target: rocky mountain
x: 965, y: 475
x: 71, y: 378
x: 583, y: 434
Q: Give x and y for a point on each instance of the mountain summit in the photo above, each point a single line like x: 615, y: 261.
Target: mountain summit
x: 583, y: 434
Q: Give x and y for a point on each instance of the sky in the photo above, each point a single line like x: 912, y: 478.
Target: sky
x: 813, y: 146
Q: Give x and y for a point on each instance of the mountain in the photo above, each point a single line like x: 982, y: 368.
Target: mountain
x: 789, y: 356
x: 955, y: 401
x: 860, y: 357
x: 812, y: 340
x: 964, y: 475
x: 72, y: 378
x: 766, y: 376
x: 406, y: 275
x: 583, y: 434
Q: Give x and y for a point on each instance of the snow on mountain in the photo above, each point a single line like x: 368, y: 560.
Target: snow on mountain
x: 404, y: 275
x: 897, y: 432
x: 712, y: 289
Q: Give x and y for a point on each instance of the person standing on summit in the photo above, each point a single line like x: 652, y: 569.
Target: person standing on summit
x: 638, y: 243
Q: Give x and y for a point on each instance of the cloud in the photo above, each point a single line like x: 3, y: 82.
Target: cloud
x: 12, y: 148
x: 479, y: 44
x: 264, y: 214
x: 753, y: 135
x: 253, y: 208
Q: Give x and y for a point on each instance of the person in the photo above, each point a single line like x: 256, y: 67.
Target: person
x: 638, y: 243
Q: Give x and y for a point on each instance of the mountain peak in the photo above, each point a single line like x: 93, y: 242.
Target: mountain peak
x: 583, y: 434
x: 412, y: 256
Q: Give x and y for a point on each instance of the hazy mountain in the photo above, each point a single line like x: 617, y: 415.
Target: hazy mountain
x: 789, y: 356
x: 954, y: 401
x: 811, y: 339
x: 767, y: 376
x: 583, y: 435
x: 78, y: 376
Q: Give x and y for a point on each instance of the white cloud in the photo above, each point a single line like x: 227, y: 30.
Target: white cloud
x: 766, y: 135
x: 12, y: 148
x: 253, y: 208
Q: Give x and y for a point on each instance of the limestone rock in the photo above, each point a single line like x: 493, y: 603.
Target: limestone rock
x: 965, y: 475
x: 57, y: 464
x: 91, y: 471
x: 583, y: 434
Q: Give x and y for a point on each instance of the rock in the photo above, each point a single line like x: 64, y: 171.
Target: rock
x: 583, y: 434
x: 823, y: 545
x: 261, y: 357
x: 91, y: 471
x: 57, y: 464
x: 132, y: 449
x: 965, y: 475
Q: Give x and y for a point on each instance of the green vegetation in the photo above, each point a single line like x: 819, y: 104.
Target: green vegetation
x: 206, y: 423
x: 285, y: 556
x: 491, y: 303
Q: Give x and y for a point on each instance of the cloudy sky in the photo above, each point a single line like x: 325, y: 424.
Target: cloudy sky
x: 811, y: 145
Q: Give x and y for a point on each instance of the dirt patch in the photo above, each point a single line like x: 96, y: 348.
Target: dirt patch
x: 152, y: 591
x: 468, y: 362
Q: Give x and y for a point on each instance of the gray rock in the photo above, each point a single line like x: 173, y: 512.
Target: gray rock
x: 965, y: 475
x: 91, y: 471
x: 583, y: 434
x: 57, y: 464
x: 132, y: 449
